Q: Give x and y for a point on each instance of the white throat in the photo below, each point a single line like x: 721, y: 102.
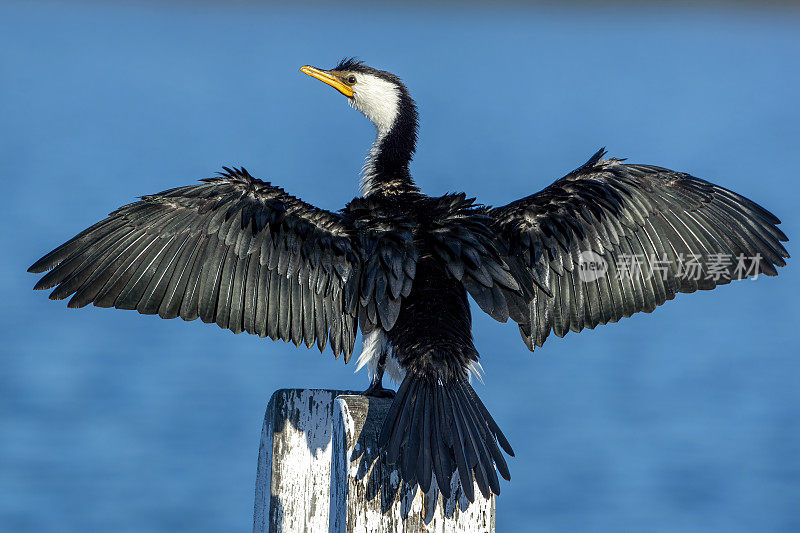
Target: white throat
x: 379, y: 101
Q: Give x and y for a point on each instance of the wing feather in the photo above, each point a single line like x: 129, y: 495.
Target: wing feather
x: 653, y: 228
x: 232, y: 250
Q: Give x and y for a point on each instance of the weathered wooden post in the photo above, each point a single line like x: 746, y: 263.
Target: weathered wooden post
x: 318, y: 470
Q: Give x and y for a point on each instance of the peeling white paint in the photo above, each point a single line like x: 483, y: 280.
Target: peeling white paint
x: 317, y: 472
x: 294, y: 462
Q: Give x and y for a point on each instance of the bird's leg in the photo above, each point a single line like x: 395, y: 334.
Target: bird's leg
x: 376, y: 385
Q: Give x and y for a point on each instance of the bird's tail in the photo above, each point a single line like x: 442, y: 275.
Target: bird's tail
x: 435, y: 429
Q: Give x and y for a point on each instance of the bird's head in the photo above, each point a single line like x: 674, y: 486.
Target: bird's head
x: 378, y: 94
x: 383, y: 99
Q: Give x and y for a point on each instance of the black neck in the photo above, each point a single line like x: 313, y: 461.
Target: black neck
x: 388, y: 168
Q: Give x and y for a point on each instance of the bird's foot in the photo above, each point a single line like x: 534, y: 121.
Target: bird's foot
x: 378, y: 391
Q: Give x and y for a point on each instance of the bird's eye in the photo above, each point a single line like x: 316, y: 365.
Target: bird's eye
x: 351, y: 80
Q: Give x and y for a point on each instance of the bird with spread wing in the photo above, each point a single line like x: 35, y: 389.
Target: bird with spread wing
x: 607, y: 240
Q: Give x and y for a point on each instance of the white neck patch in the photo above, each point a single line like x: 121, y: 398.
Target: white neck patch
x: 379, y: 101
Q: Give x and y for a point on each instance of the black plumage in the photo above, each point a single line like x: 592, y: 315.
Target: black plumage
x: 234, y: 250
x: 611, y: 209
x: 244, y: 254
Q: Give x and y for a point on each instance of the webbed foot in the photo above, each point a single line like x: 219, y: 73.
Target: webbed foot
x: 378, y: 391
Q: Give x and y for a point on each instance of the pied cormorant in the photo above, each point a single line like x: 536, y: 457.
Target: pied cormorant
x: 244, y: 254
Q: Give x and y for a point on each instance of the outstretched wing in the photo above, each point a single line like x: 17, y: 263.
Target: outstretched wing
x: 612, y: 239
x: 233, y: 250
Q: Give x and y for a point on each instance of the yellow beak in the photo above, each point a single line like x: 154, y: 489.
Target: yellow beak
x: 326, y: 77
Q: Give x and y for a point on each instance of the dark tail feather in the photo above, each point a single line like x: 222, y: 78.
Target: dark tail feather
x: 433, y: 430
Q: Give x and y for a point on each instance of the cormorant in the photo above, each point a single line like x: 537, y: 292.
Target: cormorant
x: 248, y: 256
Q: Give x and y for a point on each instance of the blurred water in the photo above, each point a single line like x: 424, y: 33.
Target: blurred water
x: 685, y: 420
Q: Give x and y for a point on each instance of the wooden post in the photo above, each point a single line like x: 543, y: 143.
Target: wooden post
x: 318, y: 470
x: 294, y: 462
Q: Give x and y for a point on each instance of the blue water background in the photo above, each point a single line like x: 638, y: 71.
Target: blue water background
x: 683, y: 420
